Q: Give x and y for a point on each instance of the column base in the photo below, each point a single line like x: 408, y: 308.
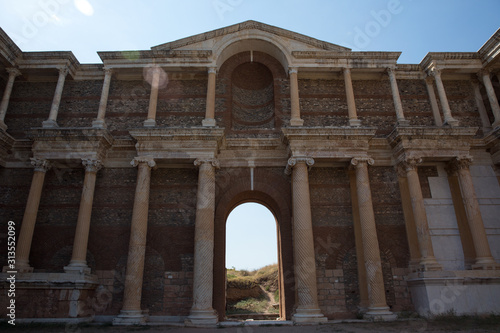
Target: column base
x: 496, y: 124
x: 98, y: 123
x: 3, y: 126
x: 306, y: 316
x: 49, y: 124
x: 380, y: 314
x: 427, y: 264
x: 149, y: 123
x: 202, y: 318
x: 296, y: 122
x: 354, y: 122
x: 403, y: 122
x: 131, y: 317
x: 208, y: 122
x: 485, y: 263
x: 77, y: 269
x: 18, y: 269
x: 452, y: 122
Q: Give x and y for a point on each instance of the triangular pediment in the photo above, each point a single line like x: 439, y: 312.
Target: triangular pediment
x: 296, y: 41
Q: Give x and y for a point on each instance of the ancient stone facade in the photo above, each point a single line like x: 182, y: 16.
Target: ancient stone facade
x: 119, y: 177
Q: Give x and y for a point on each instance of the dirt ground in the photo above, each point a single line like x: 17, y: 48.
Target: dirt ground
x: 402, y: 326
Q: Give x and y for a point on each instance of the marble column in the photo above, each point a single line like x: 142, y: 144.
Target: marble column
x: 23, y: 246
x: 484, y: 259
x: 202, y: 312
x: 307, y: 310
x: 432, y: 99
x: 100, y: 122
x: 54, y: 109
x: 401, y: 121
x: 364, y: 301
x: 153, y: 98
x: 491, y: 96
x: 295, y: 119
x: 377, y: 308
x: 78, y: 261
x: 209, y: 120
x: 131, y: 312
x: 480, y: 104
x: 448, y: 118
x: 427, y: 261
x: 13, y: 72
x: 351, y: 103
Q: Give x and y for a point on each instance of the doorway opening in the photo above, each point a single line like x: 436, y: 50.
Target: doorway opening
x: 252, y: 264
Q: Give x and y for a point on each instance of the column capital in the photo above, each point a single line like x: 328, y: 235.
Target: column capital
x: 63, y: 70
x: 108, y: 71
x: 435, y: 72
x: 91, y: 165
x: 143, y: 159
x: 13, y: 71
x: 41, y: 165
x: 213, y: 161
x: 483, y: 72
x: 293, y: 70
x: 391, y: 71
x: 292, y: 161
x: 212, y: 70
x: 459, y: 163
x: 409, y: 163
x: 359, y: 160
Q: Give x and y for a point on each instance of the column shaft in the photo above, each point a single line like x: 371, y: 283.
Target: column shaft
x: 79, y: 258
x: 432, y: 99
x: 351, y: 104
x: 294, y: 98
x: 100, y: 122
x: 153, y: 98
x: 480, y: 104
x: 397, y: 98
x: 492, y: 97
x: 13, y: 72
x: 427, y: 261
x: 448, y: 118
x: 202, y: 311
x: 209, y: 120
x: 23, y: 246
x: 54, y: 109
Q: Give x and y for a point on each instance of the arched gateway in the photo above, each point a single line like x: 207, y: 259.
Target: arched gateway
x: 381, y: 205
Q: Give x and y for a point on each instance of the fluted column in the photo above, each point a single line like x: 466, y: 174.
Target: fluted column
x: 480, y: 104
x: 54, y: 109
x: 397, y: 98
x: 484, y: 259
x: 351, y: 103
x: 304, y: 258
x: 13, y: 72
x: 100, y: 122
x: 131, y: 312
x: 432, y: 99
x: 202, y: 312
x: 23, y: 247
x: 427, y: 261
x: 153, y: 98
x: 491, y: 96
x: 78, y: 261
x: 377, y: 308
x: 295, y: 119
x: 448, y: 118
x: 209, y: 120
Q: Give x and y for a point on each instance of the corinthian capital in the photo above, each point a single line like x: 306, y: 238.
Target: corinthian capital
x: 410, y: 163
x: 213, y: 161
x: 436, y: 72
x: 144, y: 159
x: 91, y: 165
x: 292, y: 161
x: 41, y: 164
x: 459, y: 163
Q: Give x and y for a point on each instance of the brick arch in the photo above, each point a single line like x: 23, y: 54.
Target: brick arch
x: 274, y: 193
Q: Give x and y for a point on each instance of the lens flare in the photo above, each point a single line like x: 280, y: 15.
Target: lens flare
x: 84, y: 7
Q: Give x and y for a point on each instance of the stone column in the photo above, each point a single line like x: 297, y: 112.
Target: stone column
x: 78, y: 261
x: 308, y: 310
x: 153, y: 98
x: 209, y: 120
x: 491, y: 96
x: 377, y: 308
x: 351, y: 104
x: 427, y: 262
x: 432, y: 99
x: 401, y: 121
x: 54, y: 109
x: 484, y: 259
x: 480, y: 104
x: 294, y: 98
x: 448, y: 119
x: 364, y: 301
x: 131, y: 312
x: 202, y: 312
x: 23, y: 246
x: 13, y: 72
x: 100, y: 122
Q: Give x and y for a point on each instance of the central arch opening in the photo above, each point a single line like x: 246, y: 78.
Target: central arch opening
x: 252, y: 267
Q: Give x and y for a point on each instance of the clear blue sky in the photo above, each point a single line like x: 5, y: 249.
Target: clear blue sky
x: 413, y: 27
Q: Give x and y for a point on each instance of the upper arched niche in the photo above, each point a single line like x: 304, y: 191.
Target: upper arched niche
x: 227, y: 48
